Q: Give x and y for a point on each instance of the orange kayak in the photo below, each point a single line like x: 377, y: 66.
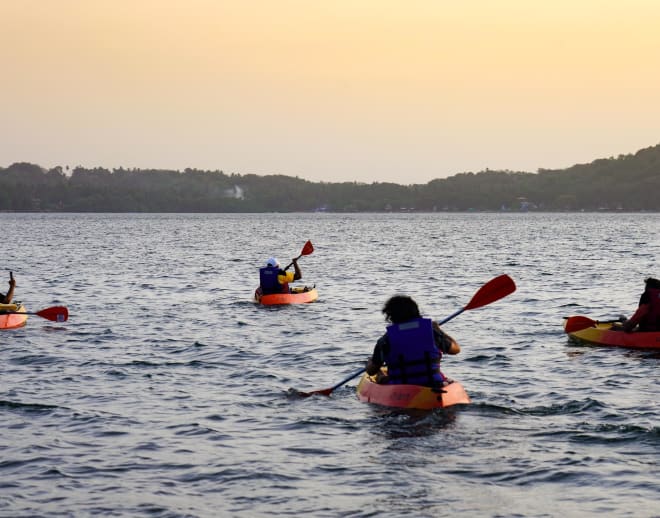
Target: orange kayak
x: 296, y: 296
x: 12, y: 321
x: 601, y: 333
x: 411, y: 396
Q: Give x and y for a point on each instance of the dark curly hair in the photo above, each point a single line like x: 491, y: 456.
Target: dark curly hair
x: 400, y: 308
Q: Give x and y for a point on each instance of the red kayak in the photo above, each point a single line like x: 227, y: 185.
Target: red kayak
x: 602, y: 333
x: 18, y: 318
x: 411, y: 396
x: 296, y: 296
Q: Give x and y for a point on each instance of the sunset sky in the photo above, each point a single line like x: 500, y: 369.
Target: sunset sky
x: 334, y: 90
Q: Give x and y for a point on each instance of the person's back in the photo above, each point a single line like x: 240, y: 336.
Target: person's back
x: 268, y: 280
x: 650, y: 321
x: 272, y: 279
x: 412, y: 357
x: 412, y: 346
x: 647, y: 316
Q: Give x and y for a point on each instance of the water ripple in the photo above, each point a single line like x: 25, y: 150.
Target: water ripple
x: 166, y: 392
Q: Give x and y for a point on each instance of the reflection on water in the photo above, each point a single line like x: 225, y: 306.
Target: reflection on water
x: 394, y: 424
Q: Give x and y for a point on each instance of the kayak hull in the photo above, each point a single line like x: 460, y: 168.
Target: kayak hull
x: 601, y: 334
x: 411, y: 396
x: 295, y: 297
x: 12, y: 321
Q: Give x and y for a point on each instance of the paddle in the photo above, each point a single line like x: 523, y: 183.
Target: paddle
x: 54, y: 313
x: 493, y: 290
x: 307, y: 249
x: 578, y: 323
x: 10, y: 292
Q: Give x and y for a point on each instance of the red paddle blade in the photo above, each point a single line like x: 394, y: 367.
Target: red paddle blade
x: 578, y: 323
x: 493, y: 290
x: 55, y: 313
x: 307, y: 249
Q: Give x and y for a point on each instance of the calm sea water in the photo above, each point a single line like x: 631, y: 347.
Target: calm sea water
x: 167, y: 391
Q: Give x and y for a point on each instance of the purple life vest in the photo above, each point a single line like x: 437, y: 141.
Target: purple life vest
x: 413, y: 357
x: 268, y: 281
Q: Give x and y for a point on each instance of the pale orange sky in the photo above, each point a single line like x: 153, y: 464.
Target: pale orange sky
x: 335, y: 90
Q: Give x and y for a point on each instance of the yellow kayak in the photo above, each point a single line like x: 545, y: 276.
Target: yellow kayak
x: 411, y: 396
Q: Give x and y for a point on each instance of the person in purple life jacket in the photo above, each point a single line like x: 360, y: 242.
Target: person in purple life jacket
x: 272, y: 279
x: 411, y: 348
x: 6, y: 299
x: 647, y: 315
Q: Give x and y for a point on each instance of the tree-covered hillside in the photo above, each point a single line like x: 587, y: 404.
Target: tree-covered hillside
x: 628, y: 182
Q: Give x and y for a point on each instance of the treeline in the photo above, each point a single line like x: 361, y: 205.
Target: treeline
x: 628, y: 182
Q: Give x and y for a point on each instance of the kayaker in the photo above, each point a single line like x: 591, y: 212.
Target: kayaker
x: 411, y: 348
x: 6, y: 299
x: 647, y: 316
x: 272, y: 279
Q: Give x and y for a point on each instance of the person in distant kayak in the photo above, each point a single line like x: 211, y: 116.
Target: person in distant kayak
x: 272, y: 279
x: 6, y: 299
x: 411, y: 348
x: 647, y: 316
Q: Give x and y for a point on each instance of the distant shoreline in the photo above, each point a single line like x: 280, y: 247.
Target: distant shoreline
x: 628, y: 183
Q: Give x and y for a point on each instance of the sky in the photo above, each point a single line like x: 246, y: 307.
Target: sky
x: 401, y: 91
